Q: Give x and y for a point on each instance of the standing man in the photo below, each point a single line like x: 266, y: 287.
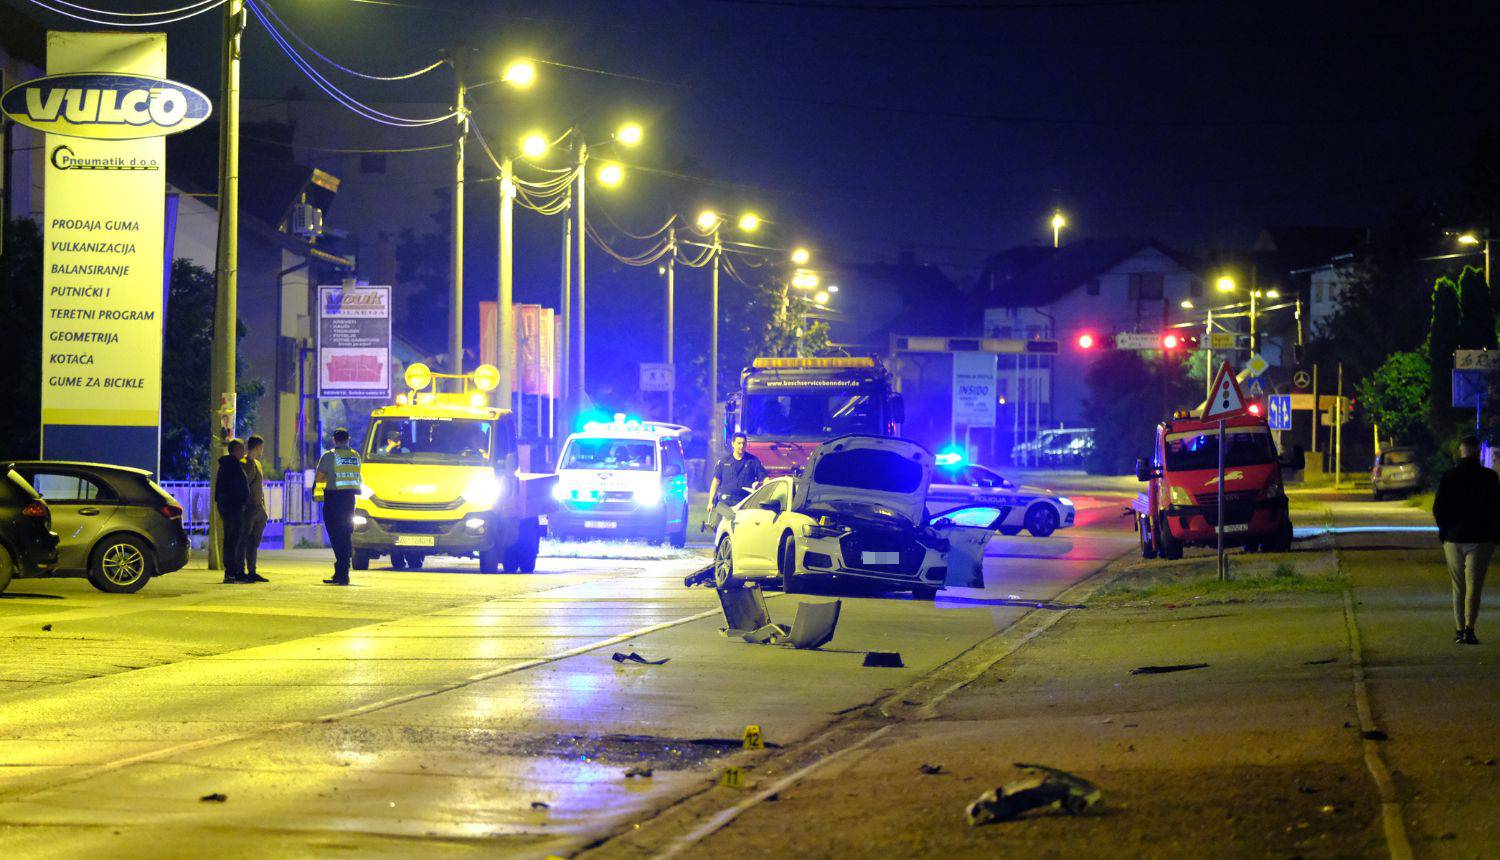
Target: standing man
x: 336, y: 484
x: 1467, y: 510
x: 734, y: 477
x: 255, y: 505
x: 231, y: 491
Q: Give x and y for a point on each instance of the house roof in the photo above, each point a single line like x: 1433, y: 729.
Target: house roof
x: 1062, y: 271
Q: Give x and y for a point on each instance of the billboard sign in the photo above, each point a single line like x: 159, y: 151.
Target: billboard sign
x: 974, y: 394
x: 354, y: 342
x: 103, y: 105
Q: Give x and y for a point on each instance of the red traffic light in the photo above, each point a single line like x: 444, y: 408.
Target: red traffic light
x: 1085, y: 341
x: 1170, y: 341
x: 1253, y: 408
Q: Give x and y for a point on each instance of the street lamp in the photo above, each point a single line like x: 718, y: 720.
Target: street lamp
x: 629, y: 134
x: 611, y: 174
x: 519, y: 73
x: 1059, y: 221
x: 1471, y: 238
x: 749, y: 222
x: 1225, y: 284
x: 535, y: 145
x: 1187, y: 304
x: 800, y: 256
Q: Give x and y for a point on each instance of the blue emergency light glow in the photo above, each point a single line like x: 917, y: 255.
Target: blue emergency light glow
x: 949, y: 457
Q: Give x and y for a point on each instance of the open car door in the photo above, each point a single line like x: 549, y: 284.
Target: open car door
x: 968, y: 531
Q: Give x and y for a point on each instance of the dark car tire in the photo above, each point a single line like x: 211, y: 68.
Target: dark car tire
x: 923, y: 592
x: 678, y: 539
x: 520, y: 557
x: 786, y: 565
x: 1282, y: 542
x: 7, y: 568
x: 724, y: 565
x: 1148, y: 546
x: 121, y: 564
x: 361, y: 559
x: 398, y: 560
x: 1167, y: 546
x: 1042, y: 520
x: 414, y: 561
x: 489, y: 560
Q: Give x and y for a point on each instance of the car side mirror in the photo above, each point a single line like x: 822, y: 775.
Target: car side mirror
x: 774, y: 506
x: 1143, y: 471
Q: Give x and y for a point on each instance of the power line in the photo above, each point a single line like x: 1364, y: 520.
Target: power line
x: 406, y: 76
x: 939, y: 6
x: 156, y: 20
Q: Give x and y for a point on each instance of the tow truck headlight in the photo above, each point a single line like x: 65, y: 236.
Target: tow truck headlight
x: 1180, y: 496
x: 474, y: 524
x: 483, y: 490
x: 359, y: 521
x: 649, y: 495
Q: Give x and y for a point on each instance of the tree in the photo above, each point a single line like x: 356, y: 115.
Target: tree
x: 1397, y: 398
x: 1476, y: 328
x: 1442, y: 339
x: 21, y: 348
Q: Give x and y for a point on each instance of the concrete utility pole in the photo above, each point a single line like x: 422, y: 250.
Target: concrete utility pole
x: 713, y: 336
x: 456, y: 258
x: 226, y: 303
x: 565, y: 348
x: 583, y: 245
x: 1338, y: 431
x: 670, y: 335
x: 505, y: 308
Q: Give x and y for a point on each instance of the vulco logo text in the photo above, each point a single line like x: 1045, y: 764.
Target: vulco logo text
x: 106, y: 106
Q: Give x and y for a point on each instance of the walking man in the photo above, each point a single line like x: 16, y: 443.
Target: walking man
x: 337, y: 484
x: 1467, y: 510
x: 255, y: 505
x: 734, y: 477
x: 231, y: 491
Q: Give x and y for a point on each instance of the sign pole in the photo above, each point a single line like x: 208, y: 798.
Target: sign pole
x: 226, y: 303
x: 1223, y: 565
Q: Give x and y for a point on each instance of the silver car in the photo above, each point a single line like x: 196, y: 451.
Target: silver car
x: 1396, y: 471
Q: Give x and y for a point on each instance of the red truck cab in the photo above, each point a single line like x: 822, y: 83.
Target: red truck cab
x: 1180, y: 504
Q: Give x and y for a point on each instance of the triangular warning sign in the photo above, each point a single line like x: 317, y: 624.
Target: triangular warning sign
x: 1225, y: 399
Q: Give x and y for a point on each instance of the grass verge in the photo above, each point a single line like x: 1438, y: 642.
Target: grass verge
x: 1194, y: 580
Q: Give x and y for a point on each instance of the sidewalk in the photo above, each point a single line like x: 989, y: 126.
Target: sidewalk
x: 1259, y: 753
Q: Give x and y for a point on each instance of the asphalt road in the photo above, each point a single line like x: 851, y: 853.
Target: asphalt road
x: 432, y: 712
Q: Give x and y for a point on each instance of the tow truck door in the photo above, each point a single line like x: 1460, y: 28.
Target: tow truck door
x: 968, y: 531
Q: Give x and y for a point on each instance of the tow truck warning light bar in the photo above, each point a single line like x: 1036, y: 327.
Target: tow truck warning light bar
x: 863, y: 361
x: 419, y: 376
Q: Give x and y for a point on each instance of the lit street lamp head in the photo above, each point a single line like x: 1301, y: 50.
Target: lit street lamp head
x: 611, y: 174
x: 534, y: 145
x: 1225, y: 284
x: 749, y: 222
x: 708, y: 219
x: 821, y: 298
x: 1468, y: 239
x: 520, y: 73
x: 1187, y: 304
x: 630, y: 134
x: 1273, y: 294
x: 800, y: 256
x: 1058, y: 220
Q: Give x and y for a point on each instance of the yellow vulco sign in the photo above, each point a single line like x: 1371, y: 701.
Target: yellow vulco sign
x: 106, y: 106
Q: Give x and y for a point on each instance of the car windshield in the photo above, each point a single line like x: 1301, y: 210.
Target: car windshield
x: 430, y: 440
x: 866, y: 469
x: 813, y: 415
x: 1195, y: 451
x: 633, y: 455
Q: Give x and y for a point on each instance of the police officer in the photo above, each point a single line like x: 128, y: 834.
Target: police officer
x: 338, y: 480
x: 734, y: 477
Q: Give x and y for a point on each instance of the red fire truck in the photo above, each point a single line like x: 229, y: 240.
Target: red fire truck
x: 786, y: 406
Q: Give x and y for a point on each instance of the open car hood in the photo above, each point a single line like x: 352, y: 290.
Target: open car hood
x: 876, y: 472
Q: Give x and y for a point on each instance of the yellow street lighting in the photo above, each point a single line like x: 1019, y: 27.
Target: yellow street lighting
x: 1225, y: 284
x: 1468, y: 239
x: 749, y: 222
x: 1187, y: 304
x: 805, y: 280
x: 520, y: 73
x: 1058, y: 223
x: 534, y: 145
x: 822, y: 297
x: 630, y: 134
x: 611, y: 174
x: 800, y: 256
x: 1273, y: 294
x: 707, y: 220
x: 833, y: 288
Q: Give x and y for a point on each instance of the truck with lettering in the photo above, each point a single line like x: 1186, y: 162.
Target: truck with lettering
x: 786, y: 407
x: 440, y: 478
x: 1180, y: 505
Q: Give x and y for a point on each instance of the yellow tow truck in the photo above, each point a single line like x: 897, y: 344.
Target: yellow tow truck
x: 440, y: 477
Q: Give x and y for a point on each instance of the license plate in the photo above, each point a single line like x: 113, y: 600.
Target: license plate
x: 1236, y: 527
x: 881, y: 557
x: 600, y: 524
x: 416, y: 540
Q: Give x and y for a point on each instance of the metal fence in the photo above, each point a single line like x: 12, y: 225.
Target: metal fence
x: 288, y: 503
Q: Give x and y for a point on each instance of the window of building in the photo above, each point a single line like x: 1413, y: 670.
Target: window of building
x: 1146, y: 286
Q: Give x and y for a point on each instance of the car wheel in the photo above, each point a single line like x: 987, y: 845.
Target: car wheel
x: 1282, y: 542
x: 121, y: 564
x: 361, y: 559
x: 923, y: 592
x: 527, y: 547
x: 724, y: 565
x: 398, y: 560
x: 1167, y: 546
x: 786, y: 565
x: 1010, y: 531
x: 1041, y: 520
x: 678, y: 539
x: 7, y: 568
x: 1148, y: 546
x: 414, y: 561
x: 489, y: 560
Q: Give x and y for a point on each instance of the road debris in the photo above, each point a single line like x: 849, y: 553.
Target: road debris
x: 931, y: 769
x: 46, y: 627
x: 883, y: 660
x: 1162, y: 670
x: 705, y: 576
x: 1323, y: 662
x: 216, y: 797
x: 1375, y: 735
x: 746, y: 616
x: 633, y: 657
x: 1041, y: 787
x: 537, y: 804
x: 642, y: 772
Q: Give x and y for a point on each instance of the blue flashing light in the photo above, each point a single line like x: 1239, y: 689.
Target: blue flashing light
x: 950, y: 456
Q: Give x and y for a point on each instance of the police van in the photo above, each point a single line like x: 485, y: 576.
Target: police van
x: 622, y: 479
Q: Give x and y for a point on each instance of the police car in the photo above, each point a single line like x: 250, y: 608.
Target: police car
x: 957, y: 482
x: 622, y: 479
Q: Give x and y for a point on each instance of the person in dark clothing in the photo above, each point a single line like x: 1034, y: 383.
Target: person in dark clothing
x: 1467, y: 510
x: 734, y: 477
x: 231, y: 493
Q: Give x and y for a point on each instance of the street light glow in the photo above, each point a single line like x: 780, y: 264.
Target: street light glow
x: 707, y: 220
x: 800, y: 256
x: 611, y: 174
x: 833, y: 288
x: 1468, y: 239
x: 1225, y: 284
x: 630, y: 134
x: 1058, y: 220
x: 1187, y: 304
x: 803, y: 279
x: 520, y: 73
x: 822, y: 297
x: 749, y: 222
x: 1273, y: 294
x: 534, y: 145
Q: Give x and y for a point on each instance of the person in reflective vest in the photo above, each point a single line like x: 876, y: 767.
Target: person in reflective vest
x: 337, y: 485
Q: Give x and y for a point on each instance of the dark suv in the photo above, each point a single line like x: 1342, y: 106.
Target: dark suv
x: 28, y: 546
x: 116, y: 526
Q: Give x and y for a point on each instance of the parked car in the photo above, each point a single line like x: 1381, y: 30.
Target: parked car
x: 1034, y: 509
x: 1396, y: 470
x: 116, y: 526
x: 857, y: 511
x: 28, y: 545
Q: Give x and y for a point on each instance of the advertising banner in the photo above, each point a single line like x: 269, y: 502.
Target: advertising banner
x: 105, y: 107
x: 547, y: 355
x: 528, y: 348
x: 489, y: 334
x: 354, y: 342
x: 974, y: 394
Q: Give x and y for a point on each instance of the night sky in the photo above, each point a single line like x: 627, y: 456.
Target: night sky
x: 956, y: 130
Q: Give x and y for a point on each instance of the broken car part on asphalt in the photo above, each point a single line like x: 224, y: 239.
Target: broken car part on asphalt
x: 1162, y: 670
x: 1041, y: 787
x: 883, y: 660
x: 746, y: 616
x: 633, y: 657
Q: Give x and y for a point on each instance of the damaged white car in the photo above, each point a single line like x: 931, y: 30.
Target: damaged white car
x: 857, y: 511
